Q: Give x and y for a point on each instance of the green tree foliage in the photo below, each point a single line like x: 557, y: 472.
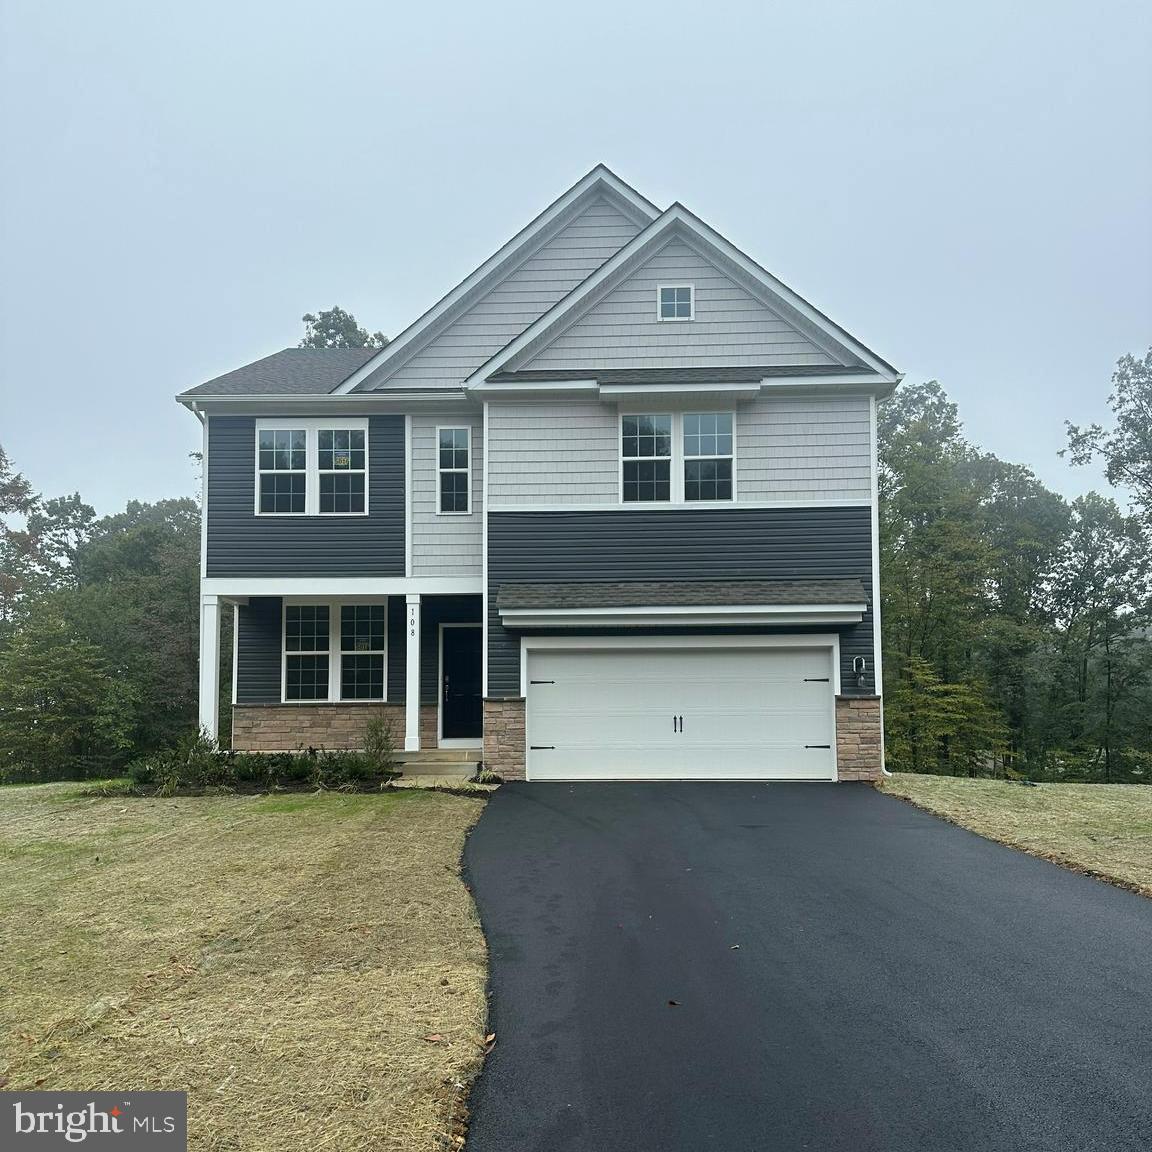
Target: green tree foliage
x: 63, y: 712
x: 336, y: 328
x: 1016, y: 626
x: 1126, y: 448
x: 119, y: 597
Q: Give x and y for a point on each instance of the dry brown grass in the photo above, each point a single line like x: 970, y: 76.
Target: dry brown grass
x: 280, y: 958
x: 1104, y: 830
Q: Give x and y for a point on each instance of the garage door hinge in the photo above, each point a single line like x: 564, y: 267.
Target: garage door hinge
x: 815, y: 679
x: 817, y: 745
x: 541, y: 681
x: 541, y: 747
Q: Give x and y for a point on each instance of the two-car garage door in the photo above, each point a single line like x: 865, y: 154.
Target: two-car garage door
x: 680, y: 713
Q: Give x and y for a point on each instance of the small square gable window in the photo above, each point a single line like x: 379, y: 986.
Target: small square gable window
x: 675, y: 302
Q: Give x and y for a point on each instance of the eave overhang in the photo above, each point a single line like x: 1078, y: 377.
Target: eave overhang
x: 687, y: 616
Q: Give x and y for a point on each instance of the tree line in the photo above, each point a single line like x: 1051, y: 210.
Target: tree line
x: 1017, y: 625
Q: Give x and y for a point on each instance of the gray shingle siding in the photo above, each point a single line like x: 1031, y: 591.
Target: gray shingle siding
x: 240, y: 543
x: 809, y: 543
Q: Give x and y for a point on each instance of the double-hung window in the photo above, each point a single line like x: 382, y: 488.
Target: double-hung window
x: 312, y: 468
x: 707, y: 455
x: 676, y: 457
x: 363, y: 628
x: 646, y: 455
x: 335, y: 651
x: 340, y: 464
x: 306, y: 652
x: 282, y: 466
x: 454, y: 458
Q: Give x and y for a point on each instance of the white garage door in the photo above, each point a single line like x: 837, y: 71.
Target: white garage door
x: 675, y: 714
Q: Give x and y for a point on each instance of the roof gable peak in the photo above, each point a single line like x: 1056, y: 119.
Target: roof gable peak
x: 676, y: 221
x: 601, y: 181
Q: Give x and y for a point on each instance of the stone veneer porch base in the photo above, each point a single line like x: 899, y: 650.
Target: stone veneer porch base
x: 859, y: 737
x: 337, y: 726
x: 504, y: 736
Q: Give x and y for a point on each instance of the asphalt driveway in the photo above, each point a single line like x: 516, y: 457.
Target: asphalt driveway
x: 778, y: 967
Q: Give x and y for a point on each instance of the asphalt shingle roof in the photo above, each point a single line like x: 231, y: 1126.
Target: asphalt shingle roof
x: 290, y: 372
x: 679, y: 593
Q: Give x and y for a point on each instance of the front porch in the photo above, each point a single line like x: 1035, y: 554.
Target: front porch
x: 312, y: 668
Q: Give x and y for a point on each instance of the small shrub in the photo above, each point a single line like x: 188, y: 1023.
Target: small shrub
x: 485, y: 775
x: 380, y: 745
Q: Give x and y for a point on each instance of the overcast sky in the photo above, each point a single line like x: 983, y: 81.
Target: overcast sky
x: 966, y: 188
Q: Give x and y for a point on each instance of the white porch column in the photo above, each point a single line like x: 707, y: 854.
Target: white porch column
x: 210, y: 664
x: 412, y: 677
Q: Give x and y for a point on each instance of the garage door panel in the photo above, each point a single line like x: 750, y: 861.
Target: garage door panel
x: 750, y: 713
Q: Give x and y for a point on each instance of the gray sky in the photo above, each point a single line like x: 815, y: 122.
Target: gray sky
x: 967, y: 188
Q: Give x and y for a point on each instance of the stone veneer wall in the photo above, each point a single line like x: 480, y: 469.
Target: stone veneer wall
x: 285, y: 727
x: 504, y: 736
x: 859, y: 737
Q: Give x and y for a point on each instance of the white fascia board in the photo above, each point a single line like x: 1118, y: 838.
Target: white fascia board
x: 676, y: 216
x: 339, y: 586
x: 655, y: 391
x: 600, y: 178
x: 704, y: 616
x: 550, y: 389
x: 328, y: 402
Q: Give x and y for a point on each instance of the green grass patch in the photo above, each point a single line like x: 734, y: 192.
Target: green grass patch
x: 1103, y: 830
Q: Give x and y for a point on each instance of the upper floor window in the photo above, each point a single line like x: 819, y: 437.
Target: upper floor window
x: 454, y: 448
x: 312, y: 468
x: 676, y: 457
x: 707, y: 455
x: 646, y: 453
x: 282, y: 468
x: 675, y: 302
x: 341, y: 468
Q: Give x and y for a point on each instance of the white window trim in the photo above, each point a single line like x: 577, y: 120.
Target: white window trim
x: 334, y: 650
x: 467, y: 430
x: 691, y: 304
x: 676, y: 497
x: 312, y: 429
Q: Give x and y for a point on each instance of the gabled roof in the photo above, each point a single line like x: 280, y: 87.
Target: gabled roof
x: 290, y: 372
x: 677, y: 221
x: 601, y: 181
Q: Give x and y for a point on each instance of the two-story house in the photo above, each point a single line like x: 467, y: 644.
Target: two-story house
x: 605, y: 511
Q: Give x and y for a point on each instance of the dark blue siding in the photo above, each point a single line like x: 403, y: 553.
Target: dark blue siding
x: 240, y: 543
x: 258, y: 647
x: 692, y: 544
x: 258, y: 638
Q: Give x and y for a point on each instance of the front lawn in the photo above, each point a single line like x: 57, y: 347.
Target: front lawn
x: 308, y: 967
x: 1102, y: 829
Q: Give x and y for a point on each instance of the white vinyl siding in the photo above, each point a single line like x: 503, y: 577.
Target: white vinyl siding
x: 444, y: 545
x: 730, y: 327
x: 572, y: 255
x: 802, y: 449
